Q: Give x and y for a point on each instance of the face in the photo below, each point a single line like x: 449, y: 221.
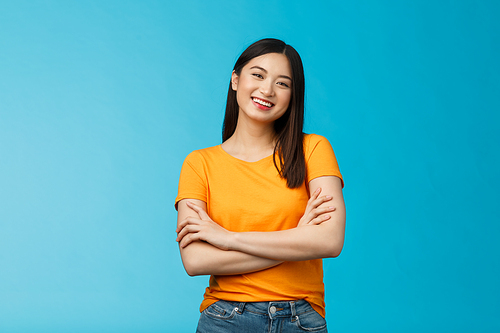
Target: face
x: 264, y: 87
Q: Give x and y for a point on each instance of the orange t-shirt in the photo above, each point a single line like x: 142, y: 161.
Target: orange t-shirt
x: 250, y: 196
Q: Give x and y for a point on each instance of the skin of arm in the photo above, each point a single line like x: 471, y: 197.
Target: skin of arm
x: 310, y: 241
x: 201, y: 258
x: 321, y: 239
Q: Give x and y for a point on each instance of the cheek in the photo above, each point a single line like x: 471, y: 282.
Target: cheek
x: 286, y: 99
x: 239, y: 96
x: 244, y: 89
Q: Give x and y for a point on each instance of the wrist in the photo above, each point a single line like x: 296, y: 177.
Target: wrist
x: 233, y: 241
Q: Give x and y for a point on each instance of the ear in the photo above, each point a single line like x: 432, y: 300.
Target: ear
x: 234, y: 81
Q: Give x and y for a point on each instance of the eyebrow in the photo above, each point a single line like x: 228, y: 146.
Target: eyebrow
x: 262, y: 69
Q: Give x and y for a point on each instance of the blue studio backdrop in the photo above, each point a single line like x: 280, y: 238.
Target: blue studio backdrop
x: 100, y: 102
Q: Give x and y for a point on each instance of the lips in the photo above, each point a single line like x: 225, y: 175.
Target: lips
x: 262, y: 102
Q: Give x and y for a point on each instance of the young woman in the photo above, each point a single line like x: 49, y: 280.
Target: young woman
x: 259, y: 211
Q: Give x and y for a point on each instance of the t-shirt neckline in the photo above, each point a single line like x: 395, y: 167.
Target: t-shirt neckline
x: 240, y: 160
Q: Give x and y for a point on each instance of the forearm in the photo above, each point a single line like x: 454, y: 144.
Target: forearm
x: 200, y: 258
x: 306, y: 242
x: 225, y: 253
x: 302, y: 243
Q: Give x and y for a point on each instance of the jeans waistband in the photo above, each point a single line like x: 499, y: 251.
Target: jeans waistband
x: 275, y: 308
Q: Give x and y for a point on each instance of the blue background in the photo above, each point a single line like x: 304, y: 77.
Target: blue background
x: 100, y: 101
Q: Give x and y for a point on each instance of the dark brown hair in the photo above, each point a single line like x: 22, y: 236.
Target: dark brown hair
x: 288, y: 128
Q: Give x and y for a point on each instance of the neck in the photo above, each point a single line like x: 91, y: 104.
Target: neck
x: 251, y: 140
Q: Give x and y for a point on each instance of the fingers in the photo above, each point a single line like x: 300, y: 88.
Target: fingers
x: 189, y: 229
x: 318, y: 213
x: 314, y: 214
x: 188, y: 239
x: 319, y: 219
x: 188, y: 220
x: 322, y: 210
x: 315, y: 203
x: 315, y: 195
x: 193, y: 206
x: 203, y: 215
x: 186, y: 229
x: 181, y: 225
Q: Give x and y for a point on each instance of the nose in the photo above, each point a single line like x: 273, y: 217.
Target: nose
x: 267, y: 88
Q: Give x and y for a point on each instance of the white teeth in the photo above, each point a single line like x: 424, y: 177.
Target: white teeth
x: 261, y: 102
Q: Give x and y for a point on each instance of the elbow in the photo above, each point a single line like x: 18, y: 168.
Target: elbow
x: 192, y: 264
x: 192, y: 267
x: 194, y: 260
x: 336, y: 252
x: 190, y: 270
x: 334, y: 249
x: 335, y: 242
x: 192, y: 273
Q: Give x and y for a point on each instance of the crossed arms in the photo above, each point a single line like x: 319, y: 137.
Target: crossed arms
x: 209, y: 249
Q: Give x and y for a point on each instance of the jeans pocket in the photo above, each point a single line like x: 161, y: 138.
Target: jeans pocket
x: 221, y: 310
x: 310, y: 321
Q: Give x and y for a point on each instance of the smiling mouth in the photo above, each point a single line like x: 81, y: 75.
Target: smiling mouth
x: 262, y: 102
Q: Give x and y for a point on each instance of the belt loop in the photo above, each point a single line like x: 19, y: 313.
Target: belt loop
x: 240, y: 308
x: 292, y: 307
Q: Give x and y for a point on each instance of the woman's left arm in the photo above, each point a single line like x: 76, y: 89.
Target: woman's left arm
x: 305, y: 242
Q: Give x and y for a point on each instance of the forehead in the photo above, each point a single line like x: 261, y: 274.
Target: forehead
x: 273, y: 63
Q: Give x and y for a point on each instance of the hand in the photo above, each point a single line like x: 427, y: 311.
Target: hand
x: 202, y: 228
x: 314, y: 214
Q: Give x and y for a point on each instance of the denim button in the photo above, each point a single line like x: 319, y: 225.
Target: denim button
x: 272, y: 309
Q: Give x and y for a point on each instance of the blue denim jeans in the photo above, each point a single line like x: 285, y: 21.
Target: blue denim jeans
x: 269, y: 317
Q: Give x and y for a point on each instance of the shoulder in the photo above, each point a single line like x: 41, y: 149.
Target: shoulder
x: 312, y: 141
x: 320, y: 158
x: 203, y: 158
x: 313, y: 138
x: 204, y: 154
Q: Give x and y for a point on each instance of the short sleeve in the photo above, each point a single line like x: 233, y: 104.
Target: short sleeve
x: 193, y: 180
x: 320, y: 158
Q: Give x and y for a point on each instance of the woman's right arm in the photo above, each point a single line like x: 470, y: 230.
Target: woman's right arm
x: 201, y: 258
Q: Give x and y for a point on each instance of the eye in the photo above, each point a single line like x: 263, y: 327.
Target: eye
x: 258, y: 75
x: 284, y: 84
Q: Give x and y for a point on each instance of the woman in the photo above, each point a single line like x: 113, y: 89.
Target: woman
x: 259, y: 211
